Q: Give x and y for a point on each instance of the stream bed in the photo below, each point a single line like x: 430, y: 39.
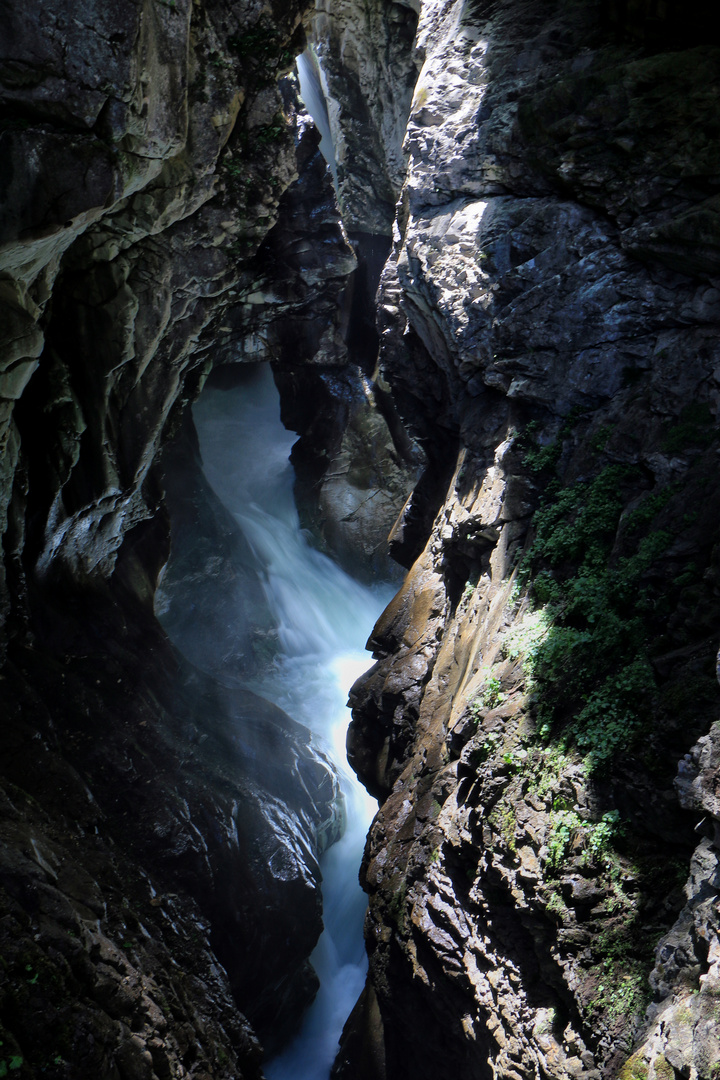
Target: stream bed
x: 324, y: 618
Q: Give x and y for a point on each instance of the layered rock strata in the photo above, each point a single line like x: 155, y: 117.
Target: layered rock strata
x: 161, y: 829
x: 549, y: 325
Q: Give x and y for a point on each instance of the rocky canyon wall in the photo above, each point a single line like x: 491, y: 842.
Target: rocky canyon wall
x: 538, y: 725
x: 163, y: 209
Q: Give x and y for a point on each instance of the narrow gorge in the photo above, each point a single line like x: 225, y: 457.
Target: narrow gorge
x: 487, y: 339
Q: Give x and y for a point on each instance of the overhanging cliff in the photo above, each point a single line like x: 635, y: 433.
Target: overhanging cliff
x: 160, y: 828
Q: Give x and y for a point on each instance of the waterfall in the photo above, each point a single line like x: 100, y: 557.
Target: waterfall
x: 311, y: 91
x: 324, y: 618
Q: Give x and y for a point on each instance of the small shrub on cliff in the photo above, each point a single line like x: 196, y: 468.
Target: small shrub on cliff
x: 264, y: 52
x: 271, y: 132
x: 564, y: 826
x: 624, y: 990
x: 586, y: 648
x: 491, y: 694
x: 568, y: 828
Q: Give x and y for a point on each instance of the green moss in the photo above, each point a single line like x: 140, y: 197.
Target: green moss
x: 396, y: 906
x: 634, y: 1068
x: 554, y: 903
x: 663, y: 1069
x: 502, y: 817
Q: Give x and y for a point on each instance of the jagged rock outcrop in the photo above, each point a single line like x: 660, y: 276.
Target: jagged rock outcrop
x: 160, y: 830
x: 354, y: 468
x: 368, y: 72
x: 548, y: 322
x: 146, y: 808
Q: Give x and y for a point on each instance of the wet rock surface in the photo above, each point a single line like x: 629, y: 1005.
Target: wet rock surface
x: 161, y: 829
x: 368, y: 72
x: 133, y: 860
x: 542, y: 875
x: 548, y: 325
x: 210, y: 600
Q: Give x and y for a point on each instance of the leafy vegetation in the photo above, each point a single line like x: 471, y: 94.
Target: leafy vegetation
x: 586, y: 644
x: 596, y: 837
x: 489, y: 697
x: 695, y: 428
x: 271, y: 132
x: 10, y: 1064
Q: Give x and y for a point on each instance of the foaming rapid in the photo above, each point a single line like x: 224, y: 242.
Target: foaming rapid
x: 324, y: 618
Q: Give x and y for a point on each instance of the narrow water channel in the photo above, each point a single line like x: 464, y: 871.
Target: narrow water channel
x: 324, y: 618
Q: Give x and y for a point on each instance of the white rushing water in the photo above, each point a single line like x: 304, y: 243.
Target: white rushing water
x: 324, y: 618
x: 311, y: 91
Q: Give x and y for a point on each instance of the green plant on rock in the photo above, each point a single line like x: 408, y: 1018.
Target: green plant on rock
x: 271, y: 132
x: 263, y: 51
x: 625, y: 956
x: 489, y: 697
x: 603, y: 833
x: 568, y: 828
x: 586, y: 646
x: 525, y: 638
x: 470, y: 586
x: 11, y: 1064
x: 489, y: 745
x: 548, y: 766
x: 624, y: 990
x: 564, y: 825
x: 695, y: 428
x: 555, y: 905
x: 634, y: 1068
x: 546, y: 1023
x: 502, y: 818
x: 541, y: 457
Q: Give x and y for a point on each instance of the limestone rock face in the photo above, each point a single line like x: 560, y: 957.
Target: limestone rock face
x: 368, y: 72
x: 354, y: 465
x: 548, y: 321
x: 161, y: 830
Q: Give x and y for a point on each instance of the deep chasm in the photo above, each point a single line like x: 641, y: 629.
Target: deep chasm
x: 532, y: 186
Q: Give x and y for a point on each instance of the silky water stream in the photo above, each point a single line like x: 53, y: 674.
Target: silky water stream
x: 324, y: 618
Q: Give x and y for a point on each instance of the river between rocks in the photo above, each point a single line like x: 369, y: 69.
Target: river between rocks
x: 324, y: 618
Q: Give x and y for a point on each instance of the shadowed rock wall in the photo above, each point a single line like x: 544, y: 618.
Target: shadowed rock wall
x: 548, y: 322
x: 549, y: 326
x: 160, y: 830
